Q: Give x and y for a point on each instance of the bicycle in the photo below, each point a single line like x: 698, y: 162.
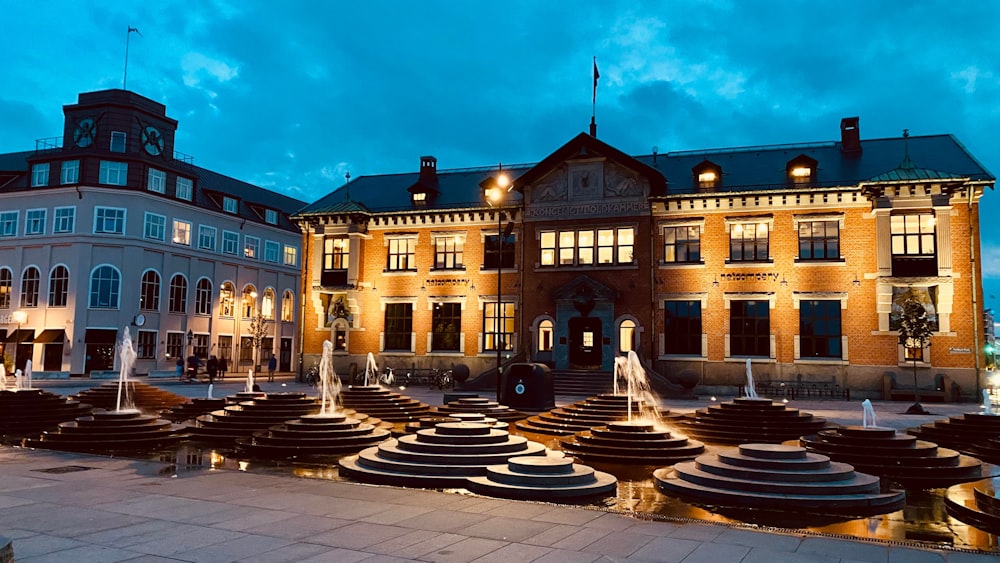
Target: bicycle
x: 387, y: 378
x: 312, y: 376
x: 441, y: 379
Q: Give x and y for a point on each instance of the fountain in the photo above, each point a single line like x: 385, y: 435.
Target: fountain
x: 987, y: 402
x: 972, y: 433
x: 195, y: 407
x: 868, y: 414
x: 481, y: 405
x: 17, y: 379
x: 751, y: 392
x: 328, y: 380
x: 249, y: 387
x: 27, y: 376
x: 126, y: 355
x: 380, y: 402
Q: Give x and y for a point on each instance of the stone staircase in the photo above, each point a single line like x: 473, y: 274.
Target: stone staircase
x: 584, y: 383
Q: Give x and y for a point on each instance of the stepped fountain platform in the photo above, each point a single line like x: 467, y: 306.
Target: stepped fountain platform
x: 26, y: 412
x: 582, y: 415
x: 548, y: 478
x: 110, y: 431
x: 775, y: 476
x: 316, y: 435
x: 193, y: 409
x: 900, y: 458
x: 962, y: 433
x: 631, y: 443
x: 432, y: 421
x: 246, y: 415
x: 988, y: 450
x: 480, y: 405
x: 745, y: 420
x: 442, y: 456
x: 981, y: 509
x: 382, y: 403
x: 144, y: 396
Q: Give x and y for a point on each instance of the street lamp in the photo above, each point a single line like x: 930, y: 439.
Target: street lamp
x: 19, y: 317
x: 495, y: 195
x: 190, y: 336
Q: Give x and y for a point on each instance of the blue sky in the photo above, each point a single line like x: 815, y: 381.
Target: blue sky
x: 292, y: 95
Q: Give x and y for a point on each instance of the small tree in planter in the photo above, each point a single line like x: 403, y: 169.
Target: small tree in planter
x: 914, y: 334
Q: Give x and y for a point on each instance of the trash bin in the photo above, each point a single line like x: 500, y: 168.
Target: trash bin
x: 528, y: 386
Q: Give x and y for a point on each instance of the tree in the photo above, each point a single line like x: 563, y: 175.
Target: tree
x: 258, y: 330
x: 914, y: 335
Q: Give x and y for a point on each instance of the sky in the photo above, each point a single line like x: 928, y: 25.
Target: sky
x: 293, y: 95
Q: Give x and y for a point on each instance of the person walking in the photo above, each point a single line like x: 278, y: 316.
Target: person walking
x: 180, y: 368
x: 223, y: 368
x: 272, y: 364
x: 212, y: 367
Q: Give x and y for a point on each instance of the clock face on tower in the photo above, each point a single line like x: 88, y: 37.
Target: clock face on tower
x: 85, y: 132
x: 152, y: 140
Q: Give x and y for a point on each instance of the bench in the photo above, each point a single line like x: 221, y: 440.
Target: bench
x: 105, y: 374
x: 944, y: 390
x: 163, y: 373
x: 798, y: 390
x: 50, y: 375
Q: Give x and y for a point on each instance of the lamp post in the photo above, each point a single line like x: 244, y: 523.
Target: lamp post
x: 496, y: 196
x: 190, y: 337
x: 19, y: 317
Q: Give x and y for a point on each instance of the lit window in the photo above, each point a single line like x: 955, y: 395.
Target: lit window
x: 40, y: 175
x: 287, y: 307
x: 548, y: 249
x: 251, y: 247
x: 585, y: 247
x: 567, y: 247
x: 156, y: 181
x: 626, y: 336
x: 448, y: 252
x: 227, y: 298
x: 291, y: 255
x: 545, y: 336
x: 267, y: 304
x: 184, y: 188
x: 401, y: 254
x: 682, y: 244
x: 420, y: 198
x: 605, y: 246
x: 182, y: 232
x: 626, y: 244
x: 70, y: 172
x: 801, y: 174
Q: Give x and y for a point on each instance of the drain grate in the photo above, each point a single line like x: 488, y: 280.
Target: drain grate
x: 65, y: 469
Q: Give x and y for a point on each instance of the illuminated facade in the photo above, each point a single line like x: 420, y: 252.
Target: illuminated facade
x: 108, y: 227
x: 795, y: 256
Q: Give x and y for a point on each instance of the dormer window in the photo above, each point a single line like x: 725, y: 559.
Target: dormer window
x: 801, y: 174
x: 271, y: 216
x: 801, y: 170
x: 229, y: 204
x: 707, y: 176
x: 419, y: 198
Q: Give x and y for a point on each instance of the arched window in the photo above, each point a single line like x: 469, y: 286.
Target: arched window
x: 203, y: 297
x: 287, y: 313
x: 105, y: 287
x: 227, y: 299
x: 545, y: 336
x: 267, y: 304
x: 6, y: 287
x: 149, y: 291
x: 178, y: 294
x: 29, y: 287
x: 626, y: 336
x: 249, y: 301
x: 58, y: 286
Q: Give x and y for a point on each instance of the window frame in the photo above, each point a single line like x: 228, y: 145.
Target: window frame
x: 449, y: 251
x: 119, y: 141
x: 181, y: 232
x: 35, y: 226
x: 101, y: 220
x: 758, y: 251
x: 498, y: 329
x: 154, y: 226
x: 675, y: 246
x: 58, y: 286
x: 754, y: 335
x: 203, y: 293
x: 31, y: 283
x: 177, y: 295
x: 445, y: 337
x: 149, y: 291
x: 146, y: 344
x: 9, y: 220
x: 40, y: 175
x: 156, y: 181
x: 230, y: 242
x: 207, y: 237
x: 682, y: 327
x: 69, y: 172
x: 397, y: 333
x: 184, y: 188
x: 113, y: 173
x: 104, y: 292
x: 251, y: 247
x: 828, y: 343
x: 827, y: 243
x: 291, y: 255
x: 272, y: 251
x: 58, y: 217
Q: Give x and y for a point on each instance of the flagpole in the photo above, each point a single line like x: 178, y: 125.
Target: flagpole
x: 593, y: 109
x: 128, y: 35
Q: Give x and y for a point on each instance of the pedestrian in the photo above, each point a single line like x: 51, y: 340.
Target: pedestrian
x: 180, y: 368
x: 193, y: 363
x: 212, y: 367
x: 272, y: 365
x: 223, y: 368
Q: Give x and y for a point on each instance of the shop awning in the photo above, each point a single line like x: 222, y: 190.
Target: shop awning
x: 50, y: 335
x: 100, y: 336
x: 23, y: 336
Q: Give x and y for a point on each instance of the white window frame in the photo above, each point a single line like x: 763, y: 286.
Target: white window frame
x: 34, y: 221
x: 40, y: 175
x: 271, y: 216
x: 154, y: 226
x: 230, y: 205
x: 230, y: 243
x: 8, y: 223
x: 113, y: 173
x: 271, y: 251
x: 120, y: 221
x: 291, y: 256
x: 63, y: 222
x: 207, y: 237
x: 70, y: 172
x: 184, y: 188
x: 251, y: 247
x: 181, y: 232
x: 156, y: 181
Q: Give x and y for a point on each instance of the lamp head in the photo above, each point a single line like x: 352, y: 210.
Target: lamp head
x: 19, y: 317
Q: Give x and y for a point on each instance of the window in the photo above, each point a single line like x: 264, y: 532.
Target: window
x: 819, y: 329
x: 291, y: 256
x: 800, y: 174
x: 30, y: 282
x: 34, y: 222
x: 913, y: 234
x: 206, y: 237
x: 113, y: 173
x: 184, y: 188
x: 154, y: 227
x: 199, y: 345
x: 682, y: 327
x: 545, y: 333
x: 6, y: 287
x: 230, y: 242
x: 801, y: 170
x: 203, y: 297
x: 750, y: 328
x: 182, y: 232
x: 566, y: 247
x: 156, y: 181
x: 118, y: 139
x: 40, y: 175
x: 819, y: 240
x: 497, y: 254
x: 70, y: 172
x: 178, y: 294
x: 585, y: 248
x: 626, y: 336
x: 547, y: 249
x: 927, y: 296
x: 267, y: 304
x: 447, y: 327
x: 227, y: 300
x: 287, y: 312
x: 448, y: 252
x: 58, y: 286
x: 249, y: 301
x: 626, y: 245
x: 175, y: 345
x: 105, y: 285
x: 109, y: 220
x: 682, y: 244
x: 149, y: 291
x: 229, y: 205
x: 582, y: 248
x: 8, y: 223
x: 335, y: 260
x: 65, y: 220
x: 498, y: 326
x: 748, y: 242
x: 272, y: 251
x: 401, y: 254
x: 271, y: 216
x: 146, y: 344
x: 226, y: 348
x: 398, y: 326
x: 251, y: 247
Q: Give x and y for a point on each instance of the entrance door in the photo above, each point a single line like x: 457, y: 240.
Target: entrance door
x: 285, y: 355
x: 52, y: 357
x: 585, y: 343
x: 100, y: 357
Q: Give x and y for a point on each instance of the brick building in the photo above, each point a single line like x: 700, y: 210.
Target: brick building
x: 795, y: 256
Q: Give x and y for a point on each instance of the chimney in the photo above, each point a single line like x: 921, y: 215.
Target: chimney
x: 428, y: 170
x: 850, y: 136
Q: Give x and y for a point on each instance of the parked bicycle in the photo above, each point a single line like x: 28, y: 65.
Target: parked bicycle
x: 387, y: 378
x: 312, y: 376
x: 442, y: 379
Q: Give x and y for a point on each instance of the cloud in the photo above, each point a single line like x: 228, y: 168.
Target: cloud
x: 198, y: 66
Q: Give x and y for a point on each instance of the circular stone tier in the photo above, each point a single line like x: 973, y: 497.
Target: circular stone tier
x: 109, y: 431
x: 241, y: 419
x: 193, y: 408
x: 963, y: 433
x: 898, y: 457
x: 442, y: 456
x: 777, y: 476
x: 582, y: 415
x: 744, y: 420
x: 988, y: 451
x: 316, y: 435
x: 382, y: 403
x: 631, y: 443
x: 982, y: 510
x: 543, y: 478
x: 145, y: 397
x: 26, y: 412
x: 432, y: 421
x: 480, y: 405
